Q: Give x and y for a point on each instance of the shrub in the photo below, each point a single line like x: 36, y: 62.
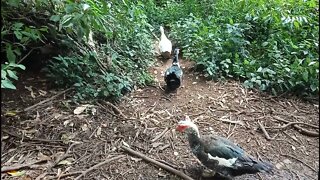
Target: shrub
x: 272, y: 46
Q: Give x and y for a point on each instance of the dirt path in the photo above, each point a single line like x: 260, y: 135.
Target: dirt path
x: 46, y: 133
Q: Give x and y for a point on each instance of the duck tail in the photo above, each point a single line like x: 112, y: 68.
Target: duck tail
x: 263, y: 167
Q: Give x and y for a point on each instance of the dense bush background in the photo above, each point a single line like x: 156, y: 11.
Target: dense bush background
x: 270, y: 45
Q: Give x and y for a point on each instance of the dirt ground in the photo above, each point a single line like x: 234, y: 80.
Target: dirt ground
x: 59, y: 139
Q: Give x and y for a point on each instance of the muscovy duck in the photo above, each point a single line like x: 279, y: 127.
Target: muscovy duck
x: 219, y: 154
x: 165, y: 45
x: 173, y: 75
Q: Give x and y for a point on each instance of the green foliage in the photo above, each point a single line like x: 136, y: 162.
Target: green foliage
x: 8, y: 74
x: 114, y: 59
x: 270, y: 45
x: 16, y: 36
x: 106, y: 45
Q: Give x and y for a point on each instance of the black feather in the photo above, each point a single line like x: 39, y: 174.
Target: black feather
x: 173, y: 75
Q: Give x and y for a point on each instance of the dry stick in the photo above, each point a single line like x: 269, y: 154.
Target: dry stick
x: 161, y: 165
x: 116, y: 109
x: 98, y: 165
x: 19, y: 166
x: 24, y: 57
x: 290, y: 124
x: 297, y: 159
x: 299, y: 128
x: 160, y: 135
x: 230, y: 121
x: 169, y: 164
x: 265, y: 132
x: 46, y: 100
x: 34, y: 139
x: 63, y: 156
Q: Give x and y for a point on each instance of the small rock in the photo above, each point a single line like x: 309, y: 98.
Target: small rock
x: 194, y: 82
x: 175, y: 153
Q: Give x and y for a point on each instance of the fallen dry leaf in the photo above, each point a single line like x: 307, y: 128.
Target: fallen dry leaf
x: 11, y: 113
x: 65, y: 162
x: 99, y: 131
x: 42, y: 93
x: 84, y: 127
x: 135, y: 159
x: 80, y: 109
x: 17, y: 173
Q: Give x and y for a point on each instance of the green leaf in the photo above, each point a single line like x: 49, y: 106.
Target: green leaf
x: 18, y: 34
x: 18, y: 25
x: 55, y: 18
x: 66, y: 21
x: 12, y: 74
x: 305, y: 76
x: 18, y: 66
x: 5, y: 83
x: 313, y: 87
x: 3, y: 74
x: 265, y: 44
x: 14, y: 3
x: 10, y: 55
x: 296, y: 24
x: 260, y: 69
x: 312, y: 63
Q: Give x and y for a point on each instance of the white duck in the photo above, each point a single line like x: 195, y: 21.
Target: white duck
x: 165, y: 45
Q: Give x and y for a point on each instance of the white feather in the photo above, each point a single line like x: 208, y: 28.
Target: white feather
x: 222, y: 161
x: 164, y: 44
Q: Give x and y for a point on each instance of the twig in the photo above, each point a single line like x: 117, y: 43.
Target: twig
x: 163, y: 166
x: 19, y: 166
x: 98, y: 165
x: 24, y: 57
x: 160, y: 135
x: 297, y: 159
x: 232, y: 131
x: 230, y: 121
x: 46, y: 100
x: 167, y: 163
x: 299, y: 128
x: 33, y: 139
x: 292, y: 123
x: 264, y: 131
x: 116, y: 109
x: 66, y: 154
x: 164, y: 97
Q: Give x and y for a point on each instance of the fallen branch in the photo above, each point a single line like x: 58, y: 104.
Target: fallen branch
x: 292, y: 123
x: 98, y: 165
x: 20, y: 166
x: 161, y: 165
x: 46, y: 100
x: 297, y: 159
x: 299, y: 128
x: 266, y: 134
x: 160, y: 135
